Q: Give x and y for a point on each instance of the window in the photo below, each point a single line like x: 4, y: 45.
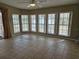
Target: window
x: 16, y: 23
x: 33, y: 23
x: 25, y: 23
x: 41, y: 23
x: 1, y: 26
x: 64, y: 24
x: 51, y: 23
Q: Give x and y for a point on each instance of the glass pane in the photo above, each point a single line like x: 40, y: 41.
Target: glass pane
x: 61, y: 21
x: 41, y: 19
x: 25, y: 23
x: 16, y: 23
x: 1, y: 26
x: 33, y: 23
x: 41, y: 28
x: 51, y: 23
x: 50, y: 29
x: 64, y: 24
x: 34, y: 27
x: 25, y: 27
x: 64, y: 18
x: 41, y: 23
x: 51, y: 18
x: 33, y: 19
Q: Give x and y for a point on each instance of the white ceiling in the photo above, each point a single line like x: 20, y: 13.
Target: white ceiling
x: 44, y: 3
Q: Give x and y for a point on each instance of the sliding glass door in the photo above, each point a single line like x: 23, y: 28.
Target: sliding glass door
x: 64, y: 24
x: 25, y: 23
x: 1, y: 27
x: 16, y: 24
x: 51, y: 23
x: 33, y: 23
x: 41, y: 23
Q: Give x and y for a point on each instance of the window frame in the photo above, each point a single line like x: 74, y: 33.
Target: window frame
x: 69, y: 24
x: 33, y: 23
x: 42, y: 24
x: 25, y: 23
x: 1, y: 26
x: 51, y: 24
x: 16, y: 24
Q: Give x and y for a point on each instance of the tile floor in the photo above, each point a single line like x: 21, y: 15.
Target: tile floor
x: 38, y: 47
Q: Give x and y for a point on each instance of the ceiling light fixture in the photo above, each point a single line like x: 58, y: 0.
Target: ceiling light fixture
x: 31, y: 5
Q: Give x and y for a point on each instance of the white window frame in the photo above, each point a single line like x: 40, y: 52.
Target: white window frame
x: 33, y: 22
x: 16, y: 25
x: 69, y: 24
x: 25, y: 25
x: 42, y: 24
x: 1, y: 26
x: 48, y: 29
